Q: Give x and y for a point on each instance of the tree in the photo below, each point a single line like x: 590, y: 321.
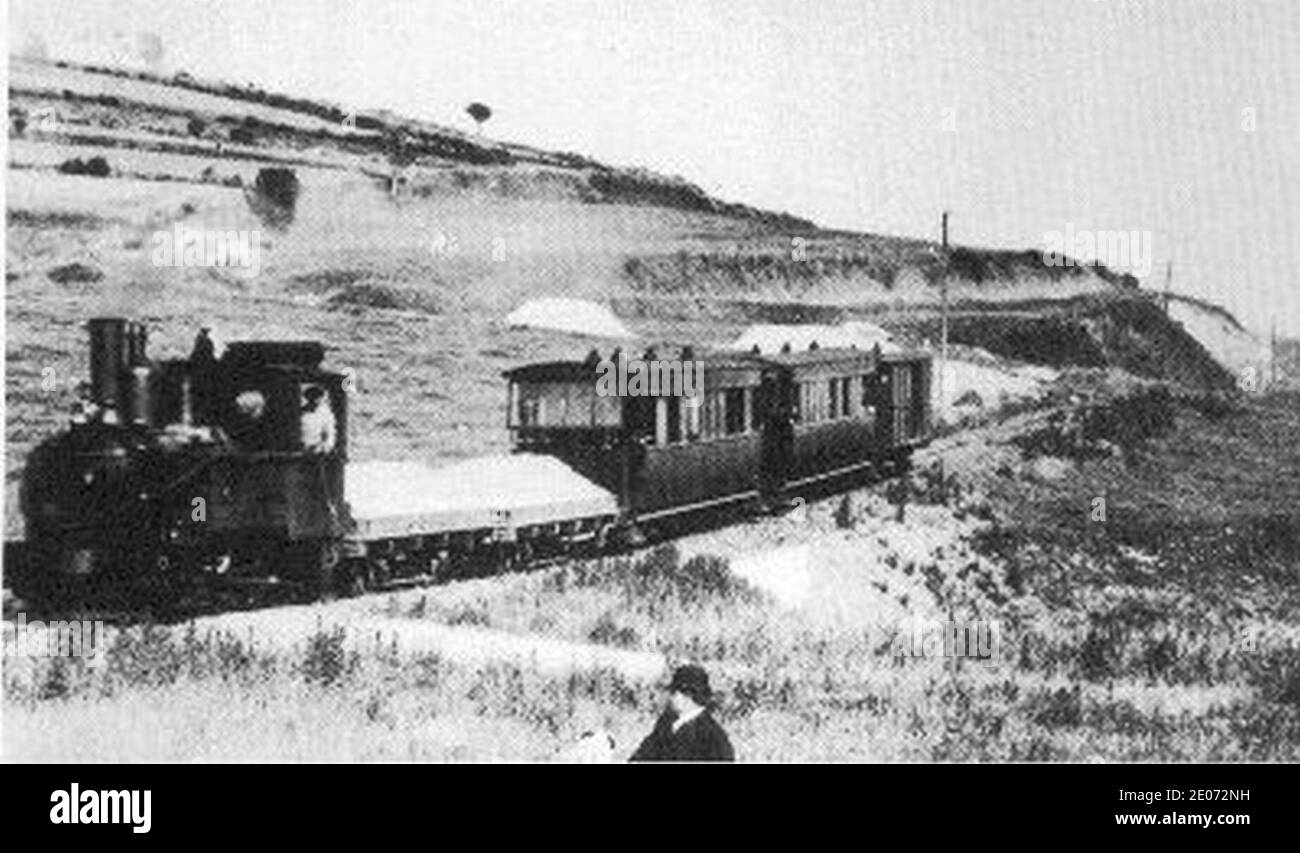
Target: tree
x: 480, y: 113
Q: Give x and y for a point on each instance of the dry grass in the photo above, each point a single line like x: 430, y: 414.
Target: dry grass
x: 1080, y: 686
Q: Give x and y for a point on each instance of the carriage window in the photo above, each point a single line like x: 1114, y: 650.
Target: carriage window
x: 564, y: 404
x: 815, y: 402
x: 834, y: 388
x: 641, y: 416
x: 607, y: 411
x: 902, y: 386
x: 846, y: 397
x: 712, y: 405
x: 735, y: 410
x: 692, y: 415
x: 531, y: 410
x: 669, y: 421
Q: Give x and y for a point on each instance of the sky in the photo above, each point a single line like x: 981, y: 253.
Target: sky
x: 1174, y: 119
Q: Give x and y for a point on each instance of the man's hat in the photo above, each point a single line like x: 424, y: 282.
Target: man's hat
x: 693, y: 681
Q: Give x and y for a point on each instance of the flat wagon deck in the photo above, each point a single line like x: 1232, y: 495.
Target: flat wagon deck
x: 506, y: 493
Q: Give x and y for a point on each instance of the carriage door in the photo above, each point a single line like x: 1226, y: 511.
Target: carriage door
x: 878, y: 399
x: 904, y: 414
x: 773, y: 399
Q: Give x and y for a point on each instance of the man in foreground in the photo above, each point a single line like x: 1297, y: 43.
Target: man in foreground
x: 686, y: 731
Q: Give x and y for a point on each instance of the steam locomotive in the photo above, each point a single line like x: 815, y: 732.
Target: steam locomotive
x: 191, y: 472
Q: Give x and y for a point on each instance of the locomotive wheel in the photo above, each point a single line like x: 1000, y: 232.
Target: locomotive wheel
x: 354, y: 578
x: 315, y: 565
x: 329, y: 575
x: 43, y: 582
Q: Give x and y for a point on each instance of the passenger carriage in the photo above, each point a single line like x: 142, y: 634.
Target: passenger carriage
x: 762, y: 425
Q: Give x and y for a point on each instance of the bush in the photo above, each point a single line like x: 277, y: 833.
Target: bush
x: 844, y: 513
x: 661, y: 575
x: 1093, y: 431
x: 706, y: 576
x: 74, y: 273
x: 325, y: 661
x: 466, y: 614
x: 279, y: 185
x: 95, y: 167
x: 608, y: 632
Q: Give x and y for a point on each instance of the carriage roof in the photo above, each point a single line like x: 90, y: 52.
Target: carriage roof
x: 798, y: 362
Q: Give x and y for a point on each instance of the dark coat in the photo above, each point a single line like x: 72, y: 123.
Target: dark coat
x: 702, y: 739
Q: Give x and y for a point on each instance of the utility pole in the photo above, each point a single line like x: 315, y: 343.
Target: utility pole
x: 943, y: 351
x: 1169, y: 283
x: 943, y: 310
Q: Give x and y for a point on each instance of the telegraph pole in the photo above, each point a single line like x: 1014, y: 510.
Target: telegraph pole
x: 1169, y: 282
x: 943, y: 311
x: 943, y: 350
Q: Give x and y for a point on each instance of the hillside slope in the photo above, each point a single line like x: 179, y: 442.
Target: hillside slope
x: 199, y: 132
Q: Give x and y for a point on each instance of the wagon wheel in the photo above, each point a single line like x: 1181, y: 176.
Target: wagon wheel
x: 316, y: 563
x: 329, y: 575
x: 607, y: 538
x: 354, y: 578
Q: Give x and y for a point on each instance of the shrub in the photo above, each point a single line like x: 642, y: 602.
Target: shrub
x: 74, y: 273
x: 279, y: 185
x: 609, y: 633
x: 466, y: 614
x: 709, y: 576
x: 95, y: 167
x: 326, y: 661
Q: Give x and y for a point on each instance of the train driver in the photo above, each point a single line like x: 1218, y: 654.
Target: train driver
x: 317, y: 421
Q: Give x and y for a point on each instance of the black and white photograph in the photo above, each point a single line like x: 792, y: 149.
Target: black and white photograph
x: 608, y: 382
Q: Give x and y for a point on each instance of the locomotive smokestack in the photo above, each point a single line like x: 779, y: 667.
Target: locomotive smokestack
x: 107, y: 359
x: 116, y: 345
